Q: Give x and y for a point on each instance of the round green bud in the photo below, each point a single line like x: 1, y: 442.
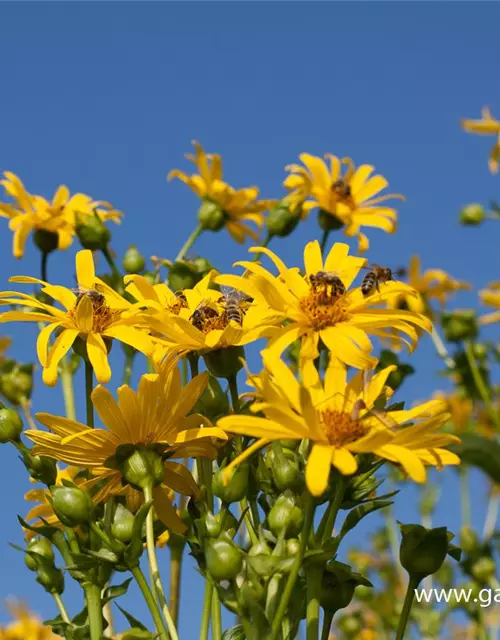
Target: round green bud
x: 93, y: 233
x: 285, y: 515
x: 122, y: 527
x: 483, y: 570
x: 202, y: 265
x: 459, y: 325
x: 72, y: 505
x: 133, y: 260
x: 250, y: 594
x: 17, y: 384
x: 226, y: 362
x: 211, y: 216
x: 335, y: 593
x: 46, y: 241
x: 11, y: 425
x: 41, y: 468
x: 259, y: 548
x: 472, y: 214
x: 329, y: 222
x: 422, y: 550
x: 468, y: 540
x: 51, y: 579
x: 43, y: 548
x: 221, y: 522
x: 281, y: 221
x: 182, y: 275
x: 351, y: 625
x: 142, y: 468
x: 363, y: 593
x: 292, y: 546
x: 236, y: 487
x: 213, y: 402
x: 223, y: 558
x: 286, y: 471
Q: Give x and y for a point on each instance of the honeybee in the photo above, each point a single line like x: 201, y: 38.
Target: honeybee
x: 341, y: 189
x: 231, y: 300
x: 97, y: 298
x: 324, y: 279
x: 376, y: 276
x: 203, y: 312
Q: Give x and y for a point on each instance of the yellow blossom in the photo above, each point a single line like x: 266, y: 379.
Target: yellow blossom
x: 491, y: 298
x: 27, y: 626
x: 486, y: 126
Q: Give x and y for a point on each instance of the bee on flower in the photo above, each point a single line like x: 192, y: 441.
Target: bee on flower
x: 487, y: 125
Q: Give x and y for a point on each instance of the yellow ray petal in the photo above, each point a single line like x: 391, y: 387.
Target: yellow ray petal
x: 318, y: 469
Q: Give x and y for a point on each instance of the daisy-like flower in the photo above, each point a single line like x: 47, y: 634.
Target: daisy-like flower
x: 151, y: 424
x: 30, y: 213
x: 431, y: 284
x: 486, y: 126
x: 340, y: 317
x: 350, y: 197
x: 96, y: 314
x: 234, y: 207
x: 155, y: 297
x: 339, y: 419
x: 26, y: 626
x: 491, y: 298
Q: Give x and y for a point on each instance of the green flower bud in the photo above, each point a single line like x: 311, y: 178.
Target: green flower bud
x: 281, y: 221
x: 42, y: 547
x: 133, y: 260
x: 142, y: 467
x: 363, y: 593
x: 213, y: 402
x: 286, y: 469
x: 472, y: 214
x: 40, y: 468
x: 352, y: 625
x: 182, y: 275
x: 468, y: 539
x: 222, y: 522
x: 422, y: 550
x: 483, y: 570
x: 211, y: 216
x: 292, y: 445
x: 11, y: 425
x: 223, y: 558
x: 122, y: 527
x: 46, y: 241
x: 292, y: 547
x: 17, y: 384
x: 286, y: 515
x: 92, y: 232
x: 459, y: 325
x: 328, y: 222
x: 337, y: 586
x: 259, y: 548
x: 201, y: 265
x: 226, y: 362
x: 72, y: 505
x: 150, y: 277
x: 250, y: 594
x: 236, y: 487
x: 51, y: 579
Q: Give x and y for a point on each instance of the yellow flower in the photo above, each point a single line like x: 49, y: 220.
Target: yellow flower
x: 491, y: 297
x: 27, y: 626
x: 431, y: 284
x: 486, y: 126
x: 339, y: 419
x: 460, y: 407
x: 152, y: 421
x: 338, y: 317
x: 348, y: 196
x: 32, y: 212
x: 157, y: 297
x: 239, y: 206
x: 5, y: 343
x: 97, y: 314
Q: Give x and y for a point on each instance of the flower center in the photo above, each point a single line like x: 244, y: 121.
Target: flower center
x: 324, y: 306
x: 340, y: 428
x: 180, y: 303
x: 207, y: 319
x: 102, y: 315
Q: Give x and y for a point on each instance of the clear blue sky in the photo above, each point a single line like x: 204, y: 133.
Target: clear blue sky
x: 106, y: 97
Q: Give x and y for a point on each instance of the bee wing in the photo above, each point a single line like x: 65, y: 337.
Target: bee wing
x: 229, y: 292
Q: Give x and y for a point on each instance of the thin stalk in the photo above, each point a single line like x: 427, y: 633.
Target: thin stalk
x: 150, y: 601
x: 251, y: 526
x: 233, y: 390
x: 480, y: 384
x: 390, y: 524
x: 491, y: 515
x: 175, y: 581
x: 189, y: 243
x: 441, y: 349
x: 264, y: 244
x: 128, y: 368
x: 62, y: 609
x: 207, y: 611
x: 43, y: 265
x: 327, y: 624
x: 89, y: 381
x: 26, y: 407
x: 292, y: 576
x: 153, y: 567
x: 333, y: 511
x: 324, y: 240
x: 67, y: 388
x: 314, y: 574
x: 94, y: 610
x: 109, y: 259
x: 216, y: 616
x: 193, y: 364
x: 405, y: 612
x: 463, y: 474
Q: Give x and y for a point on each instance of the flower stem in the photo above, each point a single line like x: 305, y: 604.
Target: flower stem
x: 61, y: 607
x: 480, y: 384
x: 266, y: 241
x: 405, y: 613
x: 233, y: 390
x: 464, y: 496
x: 175, y: 581
x: 189, y: 243
x: 314, y: 574
x: 216, y: 616
x: 94, y: 609
x: 68, y: 390
x: 150, y: 601
x: 441, y: 349
x: 127, y: 369
x: 325, y: 533
x: 109, y: 259
x: 491, y: 514
x: 207, y: 611
x: 89, y: 381
x: 43, y: 265
x: 327, y: 624
x: 292, y: 576
x: 153, y: 567
x: 324, y: 240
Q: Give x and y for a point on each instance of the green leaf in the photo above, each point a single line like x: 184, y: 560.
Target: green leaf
x: 116, y: 590
x: 138, y: 634
x: 43, y: 530
x: 480, y: 452
x: 234, y: 633
x: 133, y: 622
x: 357, y: 514
x: 455, y: 552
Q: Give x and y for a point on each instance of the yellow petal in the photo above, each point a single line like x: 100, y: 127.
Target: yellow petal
x: 166, y: 511
x: 85, y: 272
x: 109, y: 412
x: 84, y: 314
x: 42, y: 342
x: 98, y: 356
x: 313, y: 260
x: 318, y: 469
x: 344, y: 461
x: 61, y: 346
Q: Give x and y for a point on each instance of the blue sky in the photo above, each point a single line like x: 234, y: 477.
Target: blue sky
x: 106, y: 98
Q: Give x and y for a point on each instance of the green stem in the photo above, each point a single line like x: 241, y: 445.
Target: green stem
x: 189, y: 243
x: 94, y: 609
x: 109, y: 259
x: 390, y: 525
x: 68, y: 390
x: 43, y: 265
x: 480, y: 384
x: 264, y: 244
x: 327, y: 624
x: 193, y: 364
x: 153, y: 567
x: 127, y: 369
x: 464, y: 496
x: 150, y: 601
x: 292, y: 576
x: 89, y: 381
x: 491, y: 515
x: 62, y: 609
x: 314, y: 574
x: 333, y: 510
x: 216, y: 616
x: 251, y: 526
x: 324, y: 240
x: 207, y: 611
x: 441, y: 349
x: 233, y: 390
x: 405, y: 612
x: 176, y: 554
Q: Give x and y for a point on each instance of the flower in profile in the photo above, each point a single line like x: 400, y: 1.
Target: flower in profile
x: 96, y: 314
x: 486, y: 126
x: 347, y: 198
x: 222, y: 205
x: 26, y: 626
x: 155, y: 297
x: 491, y: 298
x: 339, y: 419
x: 146, y: 431
x: 333, y: 315
x: 52, y: 222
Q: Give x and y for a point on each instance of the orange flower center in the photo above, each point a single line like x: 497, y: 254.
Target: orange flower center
x: 340, y: 428
x: 324, y: 307
x: 102, y: 316
x: 180, y: 303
